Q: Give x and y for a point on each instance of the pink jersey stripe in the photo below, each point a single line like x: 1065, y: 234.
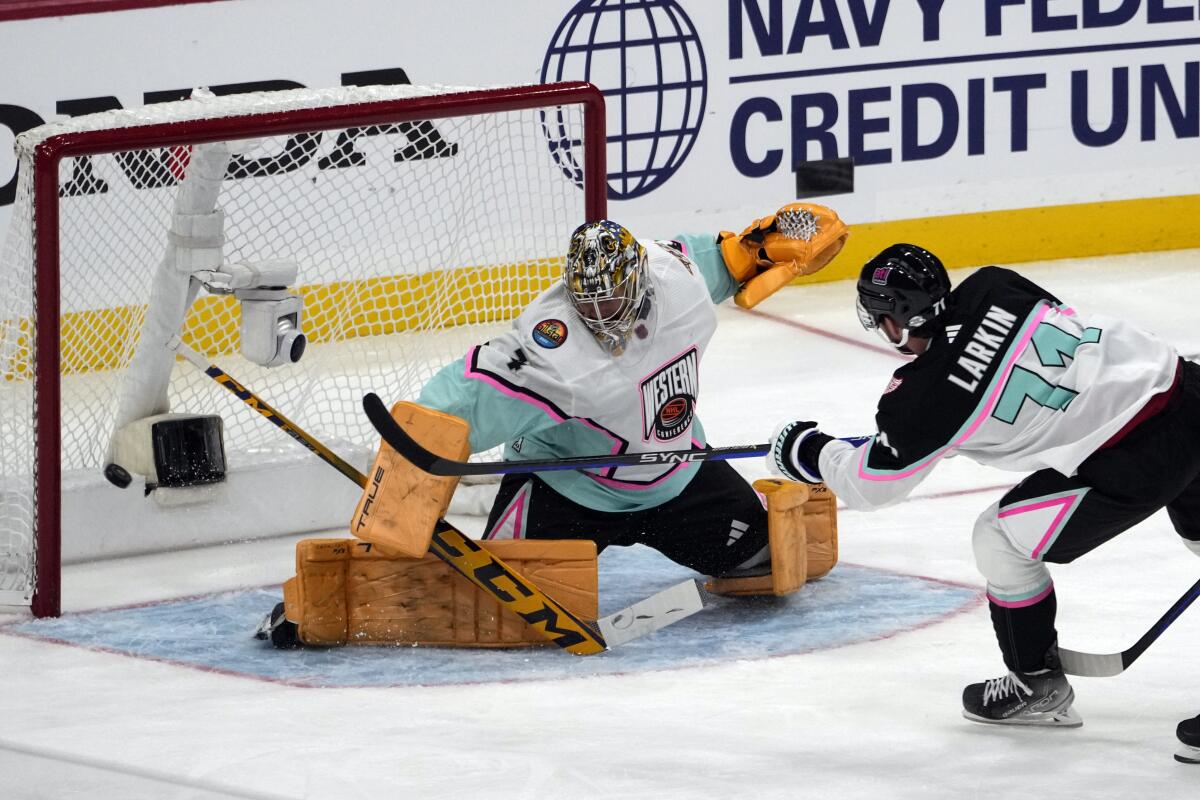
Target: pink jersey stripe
x: 530, y: 399
x: 616, y: 483
x: 1065, y: 505
x: 1029, y: 601
x: 981, y: 413
x: 516, y: 510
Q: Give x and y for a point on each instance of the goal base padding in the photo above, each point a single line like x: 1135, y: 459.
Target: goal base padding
x: 15, y: 598
x: 287, y: 494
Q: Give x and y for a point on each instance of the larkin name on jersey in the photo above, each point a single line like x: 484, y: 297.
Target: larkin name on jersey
x: 979, y: 353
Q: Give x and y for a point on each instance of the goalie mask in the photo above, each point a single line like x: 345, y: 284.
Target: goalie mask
x: 605, y: 278
x: 908, y: 284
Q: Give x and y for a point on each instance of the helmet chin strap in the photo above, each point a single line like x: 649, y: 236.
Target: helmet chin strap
x: 901, y: 345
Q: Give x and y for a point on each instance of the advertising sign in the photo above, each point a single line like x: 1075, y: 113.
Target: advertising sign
x: 921, y: 112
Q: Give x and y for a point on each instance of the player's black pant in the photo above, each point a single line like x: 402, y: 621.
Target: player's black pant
x: 713, y: 526
x: 1157, y: 465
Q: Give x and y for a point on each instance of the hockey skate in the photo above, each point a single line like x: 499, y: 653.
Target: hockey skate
x: 278, y: 630
x: 1189, y: 741
x: 1023, y: 698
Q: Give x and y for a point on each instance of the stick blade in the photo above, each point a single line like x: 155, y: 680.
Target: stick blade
x: 1091, y: 665
x: 652, y: 614
x: 399, y: 440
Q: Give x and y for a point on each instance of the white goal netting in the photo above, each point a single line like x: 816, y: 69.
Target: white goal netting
x: 413, y: 239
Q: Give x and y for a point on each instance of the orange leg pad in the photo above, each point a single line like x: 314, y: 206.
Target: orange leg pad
x: 802, y: 531
x: 786, y: 536
x: 348, y: 592
x: 820, y: 525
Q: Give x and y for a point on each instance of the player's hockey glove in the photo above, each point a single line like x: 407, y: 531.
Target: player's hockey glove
x: 795, y: 448
x: 798, y: 239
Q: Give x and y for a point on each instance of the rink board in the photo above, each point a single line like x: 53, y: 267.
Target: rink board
x: 851, y: 605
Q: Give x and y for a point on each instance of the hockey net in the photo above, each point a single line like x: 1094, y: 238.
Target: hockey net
x: 420, y: 219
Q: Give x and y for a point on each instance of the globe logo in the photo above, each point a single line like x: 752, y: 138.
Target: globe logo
x: 645, y: 57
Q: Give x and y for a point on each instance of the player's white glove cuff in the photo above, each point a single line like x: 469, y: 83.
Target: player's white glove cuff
x: 790, y: 443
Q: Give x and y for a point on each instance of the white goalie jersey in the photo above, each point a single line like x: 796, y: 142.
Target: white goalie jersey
x: 547, y: 389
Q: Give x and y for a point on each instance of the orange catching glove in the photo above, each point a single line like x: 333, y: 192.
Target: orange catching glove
x: 798, y: 239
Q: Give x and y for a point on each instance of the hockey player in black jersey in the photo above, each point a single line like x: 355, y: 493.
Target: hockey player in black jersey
x: 1104, y: 416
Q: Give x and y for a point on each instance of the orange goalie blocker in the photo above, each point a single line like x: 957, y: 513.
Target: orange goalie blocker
x: 802, y: 535
x: 401, y: 503
x: 349, y: 592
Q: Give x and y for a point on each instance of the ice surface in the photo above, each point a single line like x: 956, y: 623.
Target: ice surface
x: 853, y: 604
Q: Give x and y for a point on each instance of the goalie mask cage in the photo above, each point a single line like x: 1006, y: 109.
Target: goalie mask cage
x: 421, y: 220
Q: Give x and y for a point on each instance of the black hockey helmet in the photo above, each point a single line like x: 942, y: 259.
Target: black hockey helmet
x: 907, y: 283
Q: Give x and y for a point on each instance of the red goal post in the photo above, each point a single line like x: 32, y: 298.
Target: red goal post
x: 455, y: 219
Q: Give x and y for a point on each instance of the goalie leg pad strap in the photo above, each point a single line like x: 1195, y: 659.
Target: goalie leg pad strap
x: 348, y: 592
x: 401, y: 503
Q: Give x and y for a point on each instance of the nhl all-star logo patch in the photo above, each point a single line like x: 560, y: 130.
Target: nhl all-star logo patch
x: 669, y: 398
x: 550, y: 333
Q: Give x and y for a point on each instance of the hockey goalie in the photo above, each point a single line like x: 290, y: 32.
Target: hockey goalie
x: 606, y: 361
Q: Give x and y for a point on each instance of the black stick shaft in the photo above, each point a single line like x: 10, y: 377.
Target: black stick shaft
x: 434, y: 464
x: 1156, y: 630
x: 1106, y: 665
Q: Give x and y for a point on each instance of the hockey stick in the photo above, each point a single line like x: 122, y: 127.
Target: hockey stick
x: 1094, y: 665
x: 482, y: 568
x: 434, y: 464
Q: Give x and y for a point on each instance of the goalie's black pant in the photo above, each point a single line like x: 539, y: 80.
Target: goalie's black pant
x: 715, y: 525
x: 1051, y: 518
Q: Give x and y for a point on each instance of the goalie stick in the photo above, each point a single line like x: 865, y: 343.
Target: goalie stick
x: 434, y: 464
x: 1095, y: 665
x: 482, y: 568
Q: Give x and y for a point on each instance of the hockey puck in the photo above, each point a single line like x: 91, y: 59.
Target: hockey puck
x: 118, y: 476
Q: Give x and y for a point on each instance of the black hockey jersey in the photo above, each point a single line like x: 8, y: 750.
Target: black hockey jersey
x: 1016, y: 380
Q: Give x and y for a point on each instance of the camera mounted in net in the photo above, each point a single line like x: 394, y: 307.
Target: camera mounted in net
x: 271, y: 315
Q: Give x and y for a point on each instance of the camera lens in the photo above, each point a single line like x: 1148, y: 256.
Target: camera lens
x: 297, y: 348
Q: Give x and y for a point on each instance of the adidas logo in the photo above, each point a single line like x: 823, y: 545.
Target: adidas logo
x: 736, y: 529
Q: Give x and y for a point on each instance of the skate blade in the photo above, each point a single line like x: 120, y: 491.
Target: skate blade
x: 1060, y: 718
x: 263, y: 631
x: 1188, y: 754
